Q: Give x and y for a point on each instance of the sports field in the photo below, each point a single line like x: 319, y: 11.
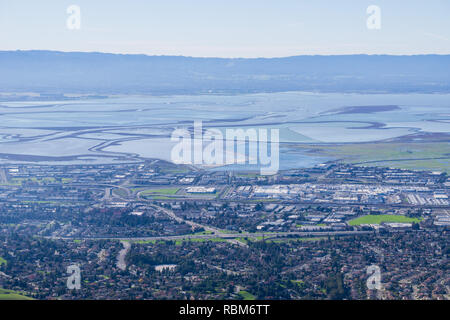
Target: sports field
x: 377, y: 219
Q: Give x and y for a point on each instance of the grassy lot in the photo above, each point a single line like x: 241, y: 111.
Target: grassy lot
x: 226, y: 231
x: 442, y: 165
x: 259, y: 238
x: 147, y: 241
x: 166, y: 191
x: 389, y: 151
x: 246, y: 295
x: 404, y: 155
x: 12, y: 295
x: 377, y: 219
x: 2, y: 261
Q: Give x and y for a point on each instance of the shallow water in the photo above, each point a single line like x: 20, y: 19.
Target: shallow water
x: 136, y: 127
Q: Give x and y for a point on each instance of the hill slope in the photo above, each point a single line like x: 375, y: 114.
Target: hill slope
x: 58, y: 72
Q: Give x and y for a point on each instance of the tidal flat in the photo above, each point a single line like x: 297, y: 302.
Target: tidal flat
x: 135, y: 128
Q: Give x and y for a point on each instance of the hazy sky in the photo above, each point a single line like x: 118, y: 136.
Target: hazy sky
x: 228, y: 28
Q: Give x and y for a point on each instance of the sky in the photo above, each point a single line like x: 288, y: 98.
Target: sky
x: 228, y: 28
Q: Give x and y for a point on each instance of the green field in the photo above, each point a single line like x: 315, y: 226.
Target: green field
x: 166, y: 191
x: 442, y: 165
x: 2, y: 261
x: 427, y: 155
x: 12, y: 295
x: 243, y: 240
x: 377, y: 219
x: 246, y: 295
x: 147, y: 241
x: 226, y: 231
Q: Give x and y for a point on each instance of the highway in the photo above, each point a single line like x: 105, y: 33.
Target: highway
x: 266, y: 235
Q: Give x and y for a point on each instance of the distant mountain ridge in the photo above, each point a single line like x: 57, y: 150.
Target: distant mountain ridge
x: 103, y: 73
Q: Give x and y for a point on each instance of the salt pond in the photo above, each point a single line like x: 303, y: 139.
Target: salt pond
x: 129, y: 128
